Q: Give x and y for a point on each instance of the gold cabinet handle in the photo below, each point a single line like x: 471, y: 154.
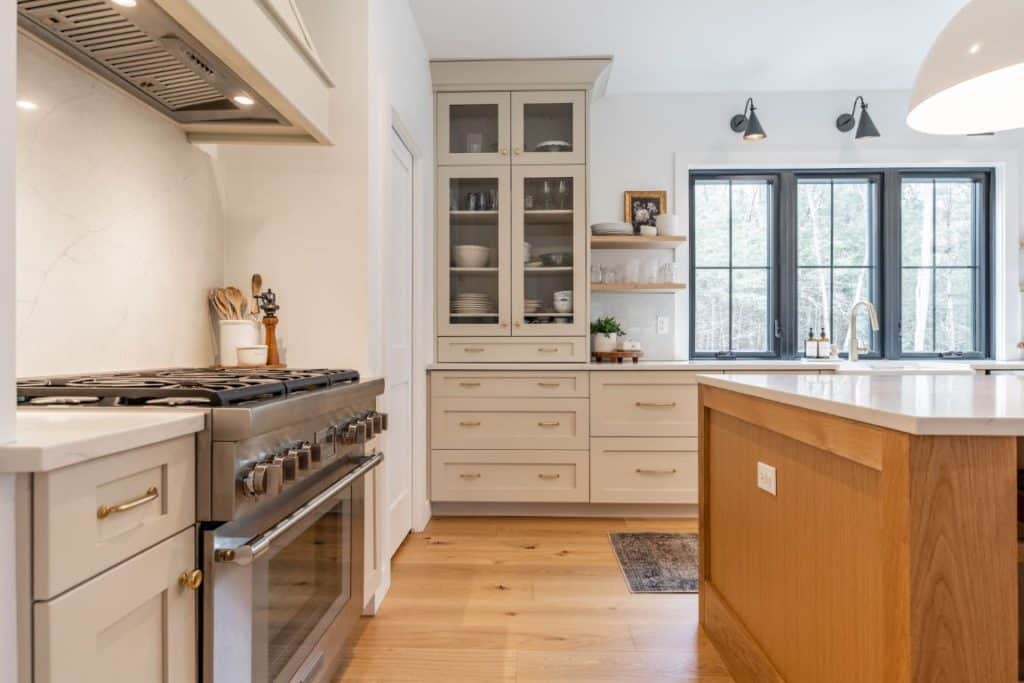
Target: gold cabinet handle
x: 504, y: 151
x: 549, y: 385
x: 473, y: 349
x: 548, y: 349
x: 549, y: 476
x: 548, y: 424
x: 517, y: 151
x: 469, y: 385
x: 643, y: 470
x: 469, y: 424
x: 655, y: 404
x: 192, y: 579
x: 151, y: 494
x: 470, y: 475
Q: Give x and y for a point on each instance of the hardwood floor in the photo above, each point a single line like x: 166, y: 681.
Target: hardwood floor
x: 528, y: 599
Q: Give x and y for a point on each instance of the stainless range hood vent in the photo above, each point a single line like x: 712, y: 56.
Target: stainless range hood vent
x: 145, y: 51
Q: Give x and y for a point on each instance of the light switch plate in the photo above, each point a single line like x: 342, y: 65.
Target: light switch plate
x: 662, y: 324
x: 766, y: 478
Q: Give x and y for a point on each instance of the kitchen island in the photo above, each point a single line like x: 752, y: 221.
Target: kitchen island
x: 881, y: 547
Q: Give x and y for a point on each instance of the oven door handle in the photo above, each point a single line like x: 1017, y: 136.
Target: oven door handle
x: 246, y: 554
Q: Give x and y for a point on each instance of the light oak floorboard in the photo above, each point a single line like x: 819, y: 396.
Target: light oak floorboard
x: 528, y: 599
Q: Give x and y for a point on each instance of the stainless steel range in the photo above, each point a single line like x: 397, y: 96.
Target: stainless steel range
x: 280, y: 500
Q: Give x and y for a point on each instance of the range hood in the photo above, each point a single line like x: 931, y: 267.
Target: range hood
x: 144, y: 50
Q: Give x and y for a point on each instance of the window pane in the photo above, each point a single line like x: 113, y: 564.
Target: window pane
x: 917, y: 224
x: 954, y: 317
x: 750, y: 224
x: 852, y: 222
x: 750, y: 311
x: 711, y: 224
x: 813, y: 223
x: 954, y: 212
x: 814, y: 286
x: 851, y: 285
x: 916, y: 330
x: 711, y: 310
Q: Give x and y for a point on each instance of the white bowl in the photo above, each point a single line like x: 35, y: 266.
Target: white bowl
x: 563, y: 306
x: 252, y: 356
x: 471, y: 256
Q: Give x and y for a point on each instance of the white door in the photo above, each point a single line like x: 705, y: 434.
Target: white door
x: 398, y: 352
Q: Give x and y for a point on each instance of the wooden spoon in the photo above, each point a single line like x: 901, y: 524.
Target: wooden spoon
x: 225, y: 304
x: 236, y: 301
x: 218, y: 305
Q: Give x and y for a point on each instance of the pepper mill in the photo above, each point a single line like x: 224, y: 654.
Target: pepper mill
x: 268, y: 304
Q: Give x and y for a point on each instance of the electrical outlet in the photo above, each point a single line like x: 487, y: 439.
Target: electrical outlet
x: 766, y: 478
x: 662, y: 324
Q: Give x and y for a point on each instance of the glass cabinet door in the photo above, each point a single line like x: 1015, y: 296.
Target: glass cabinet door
x: 473, y: 128
x: 474, y: 240
x: 548, y: 128
x: 549, y: 256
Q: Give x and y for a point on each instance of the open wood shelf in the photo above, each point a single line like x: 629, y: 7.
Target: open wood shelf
x: 636, y: 242
x: 636, y: 287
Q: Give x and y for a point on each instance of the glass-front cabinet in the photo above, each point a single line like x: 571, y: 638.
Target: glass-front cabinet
x: 528, y: 127
x: 512, y: 251
x: 474, y: 244
x: 548, y: 251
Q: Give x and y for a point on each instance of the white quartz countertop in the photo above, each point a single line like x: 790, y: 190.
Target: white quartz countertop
x: 865, y: 366
x: 51, y: 438
x: 968, y: 405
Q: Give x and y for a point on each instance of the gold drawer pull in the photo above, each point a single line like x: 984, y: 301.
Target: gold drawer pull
x: 549, y: 476
x: 469, y: 385
x: 469, y: 424
x: 549, y: 385
x: 553, y: 423
x: 548, y: 349
x: 192, y: 579
x: 641, y: 470
x: 473, y: 349
x: 470, y: 475
x: 655, y: 404
x: 104, y: 511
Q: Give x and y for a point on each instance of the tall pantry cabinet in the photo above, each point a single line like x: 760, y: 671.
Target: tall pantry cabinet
x: 512, y: 257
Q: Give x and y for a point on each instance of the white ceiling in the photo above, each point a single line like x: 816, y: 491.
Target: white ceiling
x: 701, y: 45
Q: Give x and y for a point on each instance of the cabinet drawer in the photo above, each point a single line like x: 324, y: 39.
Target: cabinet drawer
x: 512, y: 350
x: 509, y: 423
x: 643, y: 403
x: 515, y: 384
x: 78, y: 530
x: 650, y: 470
x: 510, y: 476
x: 133, y: 623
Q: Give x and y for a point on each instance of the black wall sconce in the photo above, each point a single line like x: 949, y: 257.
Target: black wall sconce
x: 748, y: 124
x: 866, y: 127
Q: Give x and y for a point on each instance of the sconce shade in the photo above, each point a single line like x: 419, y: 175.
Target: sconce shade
x: 866, y: 127
x: 753, y: 131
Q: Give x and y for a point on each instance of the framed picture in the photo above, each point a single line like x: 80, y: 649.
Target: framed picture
x: 643, y: 206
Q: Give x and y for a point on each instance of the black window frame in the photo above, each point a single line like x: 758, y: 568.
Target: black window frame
x: 887, y: 267
x: 772, y: 322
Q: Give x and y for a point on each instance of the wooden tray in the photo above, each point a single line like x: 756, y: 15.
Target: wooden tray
x: 615, y: 356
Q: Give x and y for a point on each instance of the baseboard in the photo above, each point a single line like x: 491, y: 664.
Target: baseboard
x: 561, y: 510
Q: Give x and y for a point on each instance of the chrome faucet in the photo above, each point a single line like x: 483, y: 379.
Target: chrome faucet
x: 854, y: 351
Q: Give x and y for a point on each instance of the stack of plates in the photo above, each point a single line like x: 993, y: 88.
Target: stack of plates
x: 472, y: 302
x: 612, y: 228
x: 532, y: 306
x: 553, y: 146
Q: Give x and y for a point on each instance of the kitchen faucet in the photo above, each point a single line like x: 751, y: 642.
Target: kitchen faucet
x: 854, y: 352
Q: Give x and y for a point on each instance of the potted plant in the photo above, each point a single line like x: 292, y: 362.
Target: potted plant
x: 604, y: 332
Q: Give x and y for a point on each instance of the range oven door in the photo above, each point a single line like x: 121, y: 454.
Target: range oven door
x: 276, y: 592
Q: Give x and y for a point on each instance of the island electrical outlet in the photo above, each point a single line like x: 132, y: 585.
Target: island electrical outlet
x: 766, y: 478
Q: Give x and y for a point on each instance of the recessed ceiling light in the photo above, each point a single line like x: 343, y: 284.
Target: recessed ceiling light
x: 974, y: 49
x: 125, y: 3
x: 27, y: 105
x: 244, y: 100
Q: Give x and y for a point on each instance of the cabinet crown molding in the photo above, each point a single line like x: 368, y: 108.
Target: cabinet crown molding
x: 577, y: 73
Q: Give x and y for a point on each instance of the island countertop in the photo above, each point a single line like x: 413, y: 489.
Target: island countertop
x: 921, y: 404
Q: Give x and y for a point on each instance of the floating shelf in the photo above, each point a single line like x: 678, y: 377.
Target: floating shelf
x: 473, y: 218
x: 536, y: 216
x: 632, y: 287
x: 636, y: 242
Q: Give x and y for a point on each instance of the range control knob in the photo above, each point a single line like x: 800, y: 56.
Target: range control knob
x: 274, y: 480
x: 356, y: 432
x: 316, y: 457
x: 304, y: 453
x: 371, y: 426
x: 378, y: 423
x: 289, y: 464
x: 255, y: 482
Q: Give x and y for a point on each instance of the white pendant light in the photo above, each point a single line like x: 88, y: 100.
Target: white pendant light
x: 972, y: 80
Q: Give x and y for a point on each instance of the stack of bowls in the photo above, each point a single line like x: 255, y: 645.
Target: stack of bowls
x: 563, y: 301
x: 471, y: 256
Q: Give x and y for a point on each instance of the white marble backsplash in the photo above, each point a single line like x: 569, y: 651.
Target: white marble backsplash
x: 119, y: 228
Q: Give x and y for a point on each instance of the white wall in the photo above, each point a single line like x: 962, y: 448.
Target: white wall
x: 8, y: 616
x: 652, y: 142
x: 298, y: 215
x: 119, y: 228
